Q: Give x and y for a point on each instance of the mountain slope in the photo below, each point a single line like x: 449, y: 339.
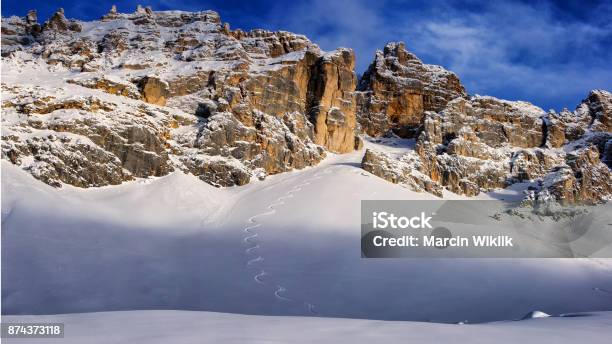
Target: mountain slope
x: 141, y: 94
x: 206, y: 327
x: 174, y: 243
x: 146, y: 93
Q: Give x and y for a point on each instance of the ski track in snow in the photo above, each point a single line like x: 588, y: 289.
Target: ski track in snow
x: 280, y: 289
x: 253, y: 244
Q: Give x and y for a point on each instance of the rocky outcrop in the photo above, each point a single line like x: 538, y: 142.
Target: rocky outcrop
x: 56, y: 160
x: 586, y: 135
x: 582, y: 178
x: 228, y: 104
x: 83, y: 140
x: 145, y: 93
x: 473, y: 144
x: 59, y: 23
x: 18, y: 32
x: 154, y: 90
x: 593, y: 115
x: 598, y: 105
x: 331, y: 103
x: 115, y: 87
x: 397, y: 90
x: 404, y: 171
x: 469, y: 146
x: 271, y: 145
x: 483, y: 143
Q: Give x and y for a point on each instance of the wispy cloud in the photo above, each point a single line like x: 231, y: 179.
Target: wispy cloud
x: 536, y: 50
x: 520, y: 51
x: 356, y: 24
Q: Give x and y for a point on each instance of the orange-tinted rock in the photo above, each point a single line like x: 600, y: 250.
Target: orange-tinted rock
x: 397, y: 90
x: 154, y: 90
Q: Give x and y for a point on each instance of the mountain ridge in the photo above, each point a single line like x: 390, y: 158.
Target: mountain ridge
x: 144, y: 93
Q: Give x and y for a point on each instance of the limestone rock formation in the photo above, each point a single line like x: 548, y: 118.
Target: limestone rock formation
x: 59, y: 23
x: 397, y: 90
x: 582, y: 178
x: 82, y: 140
x: 483, y: 143
x: 332, y: 108
x: 154, y: 90
x: 17, y: 32
x: 116, y: 87
x: 469, y: 146
x: 473, y: 144
x: 404, y: 171
x: 140, y: 94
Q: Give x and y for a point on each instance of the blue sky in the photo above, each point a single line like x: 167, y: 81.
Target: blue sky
x: 548, y: 52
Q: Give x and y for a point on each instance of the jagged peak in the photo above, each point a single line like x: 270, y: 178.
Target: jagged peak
x: 163, y: 18
x: 59, y: 23
x: 600, y: 93
x: 517, y: 106
x: 398, y: 49
x: 32, y: 17
x: 597, y: 98
x: 342, y: 52
x: 598, y: 106
x: 402, y: 67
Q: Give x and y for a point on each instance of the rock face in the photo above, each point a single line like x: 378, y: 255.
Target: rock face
x: 83, y: 140
x: 397, y: 90
x: 473, y: 144
x: 581, y: 178
x: 144, y: 93
x: 399, y: 171
x: 103, y: 83
x: 483, y: 143
x: 332, y: 107
x: 154, y: 90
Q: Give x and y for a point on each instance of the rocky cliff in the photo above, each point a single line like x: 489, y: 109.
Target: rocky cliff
x: 470, y: 144
x: 482, y: 143
x: 397, y: 90
x: 141, y: 94
x: 145, y: 93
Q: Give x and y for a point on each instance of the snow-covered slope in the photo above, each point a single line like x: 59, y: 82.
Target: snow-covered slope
x: 288, y: 245
x: 182, y: 327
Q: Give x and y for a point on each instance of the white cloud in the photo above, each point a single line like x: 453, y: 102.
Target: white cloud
x: 518, y: 51
x: 515, y: 50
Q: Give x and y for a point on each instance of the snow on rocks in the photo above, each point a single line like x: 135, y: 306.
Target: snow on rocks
x: 483, y: 143
x: 535, y: 315
x: 470, y: 144
x: 404, y: 171
x: 225, y: 104
x: 397, y: 89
